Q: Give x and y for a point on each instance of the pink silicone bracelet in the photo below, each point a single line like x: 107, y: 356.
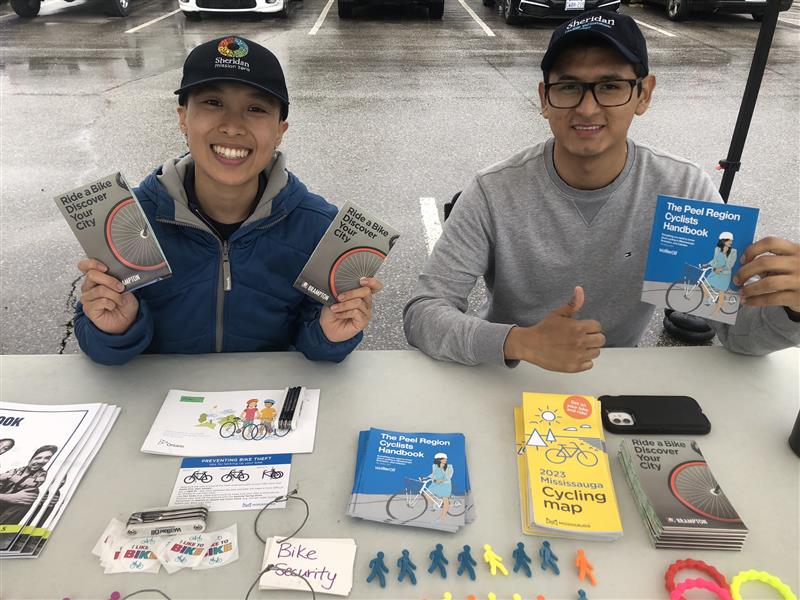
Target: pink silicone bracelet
x: 704, y: 584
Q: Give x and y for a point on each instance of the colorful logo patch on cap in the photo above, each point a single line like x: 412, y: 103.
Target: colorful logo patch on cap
x: 233, y: 47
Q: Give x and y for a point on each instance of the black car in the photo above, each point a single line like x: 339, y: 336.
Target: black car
x: 678, y: 10
x: 435, y: 7
x: 514, y: 11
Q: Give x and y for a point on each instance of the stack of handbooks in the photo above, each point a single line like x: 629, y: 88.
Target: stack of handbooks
x: 44, y: 453
x: 678, y: 497
x: 565, y: 484
x: 416, y: 479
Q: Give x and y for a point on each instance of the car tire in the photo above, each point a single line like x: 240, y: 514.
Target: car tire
x: 286, y: 11
x: 757, y: 17
x: 678, y: 10
x: 120, y: 8
x: 193, y: 15
x: 436, y: 9
x: 344, y: 8
x: 508, y: 10
x: 26, y: 8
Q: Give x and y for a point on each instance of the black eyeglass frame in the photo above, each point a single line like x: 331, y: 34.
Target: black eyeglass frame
x: 590, y: 85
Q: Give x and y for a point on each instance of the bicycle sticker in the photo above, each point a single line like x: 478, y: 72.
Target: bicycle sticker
x: 223, y: 548
x: 182, y: 551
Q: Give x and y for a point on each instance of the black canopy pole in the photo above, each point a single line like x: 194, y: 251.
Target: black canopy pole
x: 731, y: 164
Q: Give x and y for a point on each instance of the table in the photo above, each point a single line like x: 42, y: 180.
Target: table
x: 751, y: 402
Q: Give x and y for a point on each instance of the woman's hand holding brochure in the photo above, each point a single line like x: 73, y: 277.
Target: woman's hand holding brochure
x: 352, y: 314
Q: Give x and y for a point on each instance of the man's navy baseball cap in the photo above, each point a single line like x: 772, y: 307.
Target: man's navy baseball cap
x: 614, y: 29
x: 233, y: 58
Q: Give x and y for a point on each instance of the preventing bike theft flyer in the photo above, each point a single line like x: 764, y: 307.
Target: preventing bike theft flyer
x: 223, y: 483
x: 695, y: 250
x: 111, y: 227
x: 235, y: 423
x: 354, y: 246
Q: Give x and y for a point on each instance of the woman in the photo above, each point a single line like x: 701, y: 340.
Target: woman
x: 440, y: 485
x: 721, y: 266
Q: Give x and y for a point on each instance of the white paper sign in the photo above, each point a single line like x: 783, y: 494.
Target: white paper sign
x: 327, y: 564
x: 232, y: 482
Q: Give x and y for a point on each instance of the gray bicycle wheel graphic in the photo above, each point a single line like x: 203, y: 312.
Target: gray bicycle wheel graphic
x: 457, y: 511
x: 398, y: 509
x: 351, y: 266
x: 694, y: 486
x: 130, y: 239
x: 682, y: 298
x: 730, y: 308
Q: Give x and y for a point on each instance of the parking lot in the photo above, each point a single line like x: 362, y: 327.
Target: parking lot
x: 390, y: 109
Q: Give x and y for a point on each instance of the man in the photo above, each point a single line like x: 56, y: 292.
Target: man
x: 563, y: 227
x: 236, y: 227
x: 19, y: 488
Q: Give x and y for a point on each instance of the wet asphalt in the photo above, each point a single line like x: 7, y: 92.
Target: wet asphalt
x: 387, y: 108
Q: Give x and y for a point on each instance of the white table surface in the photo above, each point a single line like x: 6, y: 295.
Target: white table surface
x: 751, y: 402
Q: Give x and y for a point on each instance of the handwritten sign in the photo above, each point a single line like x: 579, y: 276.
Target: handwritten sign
x: 326, y: 563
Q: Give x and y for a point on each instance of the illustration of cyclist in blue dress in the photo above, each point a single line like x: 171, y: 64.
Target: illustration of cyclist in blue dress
x: 721, y: 266
x: 440, y: 484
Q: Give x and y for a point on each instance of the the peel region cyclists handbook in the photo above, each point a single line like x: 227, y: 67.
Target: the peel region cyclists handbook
x: 694, y: 253
x: 414, y: 479
x: 110, y: 225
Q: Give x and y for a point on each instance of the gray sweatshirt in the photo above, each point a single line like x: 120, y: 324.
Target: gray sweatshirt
x: 534, y: 238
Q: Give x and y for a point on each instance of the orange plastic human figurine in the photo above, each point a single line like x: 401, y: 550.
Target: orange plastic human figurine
x: 471, y: 597
x: 494, y: 560
x: 585, y: 568
x: 539, y: 597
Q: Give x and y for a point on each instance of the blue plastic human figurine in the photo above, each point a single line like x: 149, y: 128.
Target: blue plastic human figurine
x: 548, y: 558
x: 466, y: 562
x: 377, y: 569
x: 406, y: 568
x: 582, y: 595
x: 438, y: 561
x: 521, y: 560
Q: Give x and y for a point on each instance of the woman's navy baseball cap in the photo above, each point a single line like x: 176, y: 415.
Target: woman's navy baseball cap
x: 233, y: 58
x: 614, y: 29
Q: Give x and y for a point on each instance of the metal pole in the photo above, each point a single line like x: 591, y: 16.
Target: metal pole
x: 731, y: 164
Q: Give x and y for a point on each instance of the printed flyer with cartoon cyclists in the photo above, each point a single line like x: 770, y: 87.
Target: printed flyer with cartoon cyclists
x: 234, y: 423
x: 694, y: 253
x: 416, y: 479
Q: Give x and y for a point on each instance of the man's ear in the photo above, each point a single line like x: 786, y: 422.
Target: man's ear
x: 182, y: 118
x: 643, y: 102
x: 542, y: 102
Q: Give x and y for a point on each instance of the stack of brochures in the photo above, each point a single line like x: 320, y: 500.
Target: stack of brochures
x: 44, y: 453
x: 565, y: 484
x: 415, y: 479
x: 678, y: 497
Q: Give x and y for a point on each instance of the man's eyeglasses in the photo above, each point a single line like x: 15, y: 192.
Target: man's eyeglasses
x: 609, y: 93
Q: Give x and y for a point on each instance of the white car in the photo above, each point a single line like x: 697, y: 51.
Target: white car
x: 193, y: 9
x: 30, y: 8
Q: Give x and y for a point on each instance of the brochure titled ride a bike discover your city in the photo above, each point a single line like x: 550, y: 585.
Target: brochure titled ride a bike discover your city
x: 695, y: 250
x: 678, y: 496
x: 565, y: 484
x: 44, y: 453
x: 354, y: 246
x: 415, y: 479
x: 223, y: 483
x: 235, y: 423
x: 109, y: 223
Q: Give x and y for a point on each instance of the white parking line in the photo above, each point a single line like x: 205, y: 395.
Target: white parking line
x: 654, y: 28
x: 156, y: 20
x: 321, y: 18
x: 788, y: 20
x: 430, y: 220
x: 472, y: 14
x: 11, y: 14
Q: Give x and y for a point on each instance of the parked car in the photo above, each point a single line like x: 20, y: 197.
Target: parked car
x: 30, y: 8
x: 515, y: 11
x: 435, y: 7
x: 193, y: 9
x: 679, y: 10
